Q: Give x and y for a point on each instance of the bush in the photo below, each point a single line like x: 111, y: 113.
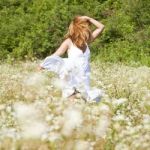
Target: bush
x: 35, y: 28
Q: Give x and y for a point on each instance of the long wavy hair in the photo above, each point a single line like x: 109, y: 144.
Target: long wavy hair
x: 79, y: 31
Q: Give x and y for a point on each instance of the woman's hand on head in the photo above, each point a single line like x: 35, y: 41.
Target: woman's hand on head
x: 85, y: 17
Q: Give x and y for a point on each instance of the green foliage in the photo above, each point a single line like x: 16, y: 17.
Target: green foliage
x: 35, y: 28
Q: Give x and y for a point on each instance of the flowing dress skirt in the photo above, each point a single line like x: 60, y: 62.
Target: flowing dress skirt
x: 74, y: 74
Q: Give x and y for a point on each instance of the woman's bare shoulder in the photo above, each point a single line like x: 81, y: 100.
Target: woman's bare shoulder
x: 68, y: 41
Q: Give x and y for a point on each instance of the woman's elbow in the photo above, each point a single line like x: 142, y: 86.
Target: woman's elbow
x: 103, y: 26
x: 56, y: 54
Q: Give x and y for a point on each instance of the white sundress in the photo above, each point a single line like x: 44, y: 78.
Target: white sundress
x: 74, y: 71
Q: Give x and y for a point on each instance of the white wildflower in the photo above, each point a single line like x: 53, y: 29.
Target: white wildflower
x: 119, y: 117
x: 58, y: 83
x: 44, y: 136
x: 30, y: 120
x: 95, y: 111
x: 34, y: 129
x: 73, y: 118
x: 34, y: 79
x: 49, y: 117
x: 146, y: 118
x: 102, y: 126
x: 54, y: 136
x: 82, y: 145
x: 25, y: 112
x: 104, y: 108
x: 8, y: 109
x: 119, y: 101
x: 121, y: 146
x: 2, y: 106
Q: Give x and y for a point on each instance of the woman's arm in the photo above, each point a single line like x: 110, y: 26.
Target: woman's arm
x: 60, y: 51
x: 99, y: 25
x: 100, y: 28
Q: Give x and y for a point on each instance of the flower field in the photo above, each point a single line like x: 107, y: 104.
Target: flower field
x: 33, y: 116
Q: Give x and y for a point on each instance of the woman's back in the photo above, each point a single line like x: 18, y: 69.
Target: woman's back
x: 74, y: 51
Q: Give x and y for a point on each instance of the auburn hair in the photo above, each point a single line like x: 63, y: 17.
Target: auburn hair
x: 79, y: 31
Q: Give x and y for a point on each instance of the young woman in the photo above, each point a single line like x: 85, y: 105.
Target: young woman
x: 74, y: 71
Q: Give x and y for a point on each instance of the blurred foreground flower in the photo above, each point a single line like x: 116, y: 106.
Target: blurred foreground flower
x: 29, y: 118
x: 72, y: 118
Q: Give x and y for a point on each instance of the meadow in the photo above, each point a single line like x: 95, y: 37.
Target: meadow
x: 33, y: 116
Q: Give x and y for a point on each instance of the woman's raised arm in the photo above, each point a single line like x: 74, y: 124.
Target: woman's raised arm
x: 100, y: 28
x: 99, y: 25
